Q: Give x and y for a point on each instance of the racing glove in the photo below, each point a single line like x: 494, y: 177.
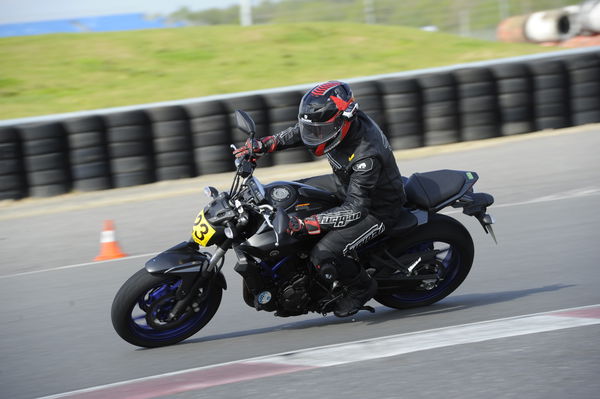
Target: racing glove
x: 298, y: 227
x: 259, y: 147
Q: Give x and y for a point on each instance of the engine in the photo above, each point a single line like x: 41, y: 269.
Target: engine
x: 293, y: 296
x: 284, y: 287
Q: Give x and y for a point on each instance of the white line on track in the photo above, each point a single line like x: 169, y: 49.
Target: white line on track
x: 583, y: 192
x: 340, y: 354
x: 77, y: 265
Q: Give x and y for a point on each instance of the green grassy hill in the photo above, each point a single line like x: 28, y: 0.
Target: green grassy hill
x: 69, y: 72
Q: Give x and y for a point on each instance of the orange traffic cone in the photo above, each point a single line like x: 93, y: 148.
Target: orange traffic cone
x: 109, y: 247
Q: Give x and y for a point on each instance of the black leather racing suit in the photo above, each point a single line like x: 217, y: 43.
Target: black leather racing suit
x: 368, y: 183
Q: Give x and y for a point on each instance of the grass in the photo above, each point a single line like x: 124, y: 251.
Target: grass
x: 70, y: 72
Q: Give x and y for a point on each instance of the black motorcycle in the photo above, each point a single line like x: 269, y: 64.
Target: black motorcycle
x: 418, y: 261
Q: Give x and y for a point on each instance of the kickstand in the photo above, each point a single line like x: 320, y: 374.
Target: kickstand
x: 368, y: 308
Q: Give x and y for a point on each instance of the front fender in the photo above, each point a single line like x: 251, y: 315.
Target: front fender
x: 182, y: 260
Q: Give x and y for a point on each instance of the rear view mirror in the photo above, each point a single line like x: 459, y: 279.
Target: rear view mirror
x: 244, y: 122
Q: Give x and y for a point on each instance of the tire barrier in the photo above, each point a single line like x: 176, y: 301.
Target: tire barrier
x: 440, y: 109
x: 211, y: 136
x: 13, y: 184
x: 131, y: 149
x: 403, y: 105
x: 550, y: 91
x: 584, y: 77
x: 515, y: 98
x: 45, y: 157
x: 477, y: 103
x: 172, y: 140
x: 283, y: 113
x: 88, y: 155
x: 100, y: 150
x: 369, y: 98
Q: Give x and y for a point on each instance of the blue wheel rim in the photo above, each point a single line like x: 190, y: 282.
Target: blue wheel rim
x: 164, y: 292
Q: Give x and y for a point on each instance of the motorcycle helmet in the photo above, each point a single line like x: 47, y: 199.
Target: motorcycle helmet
x: 324, y: 116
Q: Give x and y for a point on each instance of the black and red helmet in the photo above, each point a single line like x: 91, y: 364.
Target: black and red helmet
x: 325, y: 114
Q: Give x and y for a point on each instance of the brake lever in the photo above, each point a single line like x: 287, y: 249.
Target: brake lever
x: 270, y: 224
x: 265, y: 213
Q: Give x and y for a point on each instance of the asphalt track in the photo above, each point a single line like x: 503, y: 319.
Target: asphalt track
x: 56, y: 335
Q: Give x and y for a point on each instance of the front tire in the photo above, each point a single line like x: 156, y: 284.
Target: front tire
x: 140, y: 309
x: 442, y: 233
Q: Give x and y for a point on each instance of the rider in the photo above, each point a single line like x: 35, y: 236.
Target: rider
x: 366, y: 180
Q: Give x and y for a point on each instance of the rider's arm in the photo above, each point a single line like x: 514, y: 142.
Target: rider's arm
x: 287, y: 138
x: 357, y: 203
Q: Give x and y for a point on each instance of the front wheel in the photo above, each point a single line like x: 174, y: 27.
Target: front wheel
x: 453, y: 248
x: 140, y: 310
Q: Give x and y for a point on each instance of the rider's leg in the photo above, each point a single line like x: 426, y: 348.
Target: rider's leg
x: 335, y: 249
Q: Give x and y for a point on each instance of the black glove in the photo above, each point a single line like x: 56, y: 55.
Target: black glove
x: 298, y: 227
x: 259, y: 147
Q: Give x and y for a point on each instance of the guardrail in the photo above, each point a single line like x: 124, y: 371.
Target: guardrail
x: 127, y: 146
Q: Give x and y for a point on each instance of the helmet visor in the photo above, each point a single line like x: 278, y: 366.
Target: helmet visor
x: 317, y: 133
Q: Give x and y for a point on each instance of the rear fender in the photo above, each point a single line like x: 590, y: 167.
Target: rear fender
x: 476, y: 204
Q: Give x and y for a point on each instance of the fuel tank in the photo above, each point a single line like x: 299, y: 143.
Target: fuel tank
x: 297, y: 199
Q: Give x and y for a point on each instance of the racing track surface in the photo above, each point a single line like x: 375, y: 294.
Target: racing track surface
x: 56, y: 334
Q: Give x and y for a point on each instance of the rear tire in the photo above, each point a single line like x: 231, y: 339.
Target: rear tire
x: 144, y: 293
x: 457, y: 261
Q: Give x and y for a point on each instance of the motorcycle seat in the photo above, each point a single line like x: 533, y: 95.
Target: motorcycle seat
x: 428, y: 189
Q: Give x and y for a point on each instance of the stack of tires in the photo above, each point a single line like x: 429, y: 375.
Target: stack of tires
x: 12, y: 173
x: 173, y: 150
x: 440, y: 109
x: 256, y: 107
x: 584, y: 76
x: 130, y: 148
x: 369, y: 98
x: 283, y: 113
x: 46, y: 159
x: 515, y: 98
x: 477, y: 103
x: 551, y: 108
x: 88, y: 154
x: 211, y: 138
x: 403, y: 105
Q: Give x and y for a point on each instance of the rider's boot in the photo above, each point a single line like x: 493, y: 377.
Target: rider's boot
x: 360, y: 289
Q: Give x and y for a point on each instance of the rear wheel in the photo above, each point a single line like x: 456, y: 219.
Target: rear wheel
x: 140, y: 310
x: 449, y: 267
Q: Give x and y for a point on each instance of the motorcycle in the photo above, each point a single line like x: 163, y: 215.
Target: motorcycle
x: 418, y: 261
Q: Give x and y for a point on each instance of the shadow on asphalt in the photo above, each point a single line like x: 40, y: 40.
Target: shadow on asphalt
x: 383, y: 313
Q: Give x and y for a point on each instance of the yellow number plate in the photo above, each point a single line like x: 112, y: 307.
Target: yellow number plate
x: 202, y: 231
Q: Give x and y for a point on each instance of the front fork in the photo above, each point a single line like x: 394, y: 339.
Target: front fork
x: 187, y: 292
